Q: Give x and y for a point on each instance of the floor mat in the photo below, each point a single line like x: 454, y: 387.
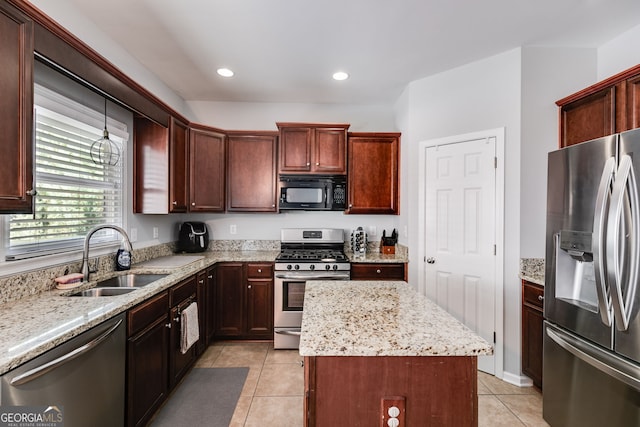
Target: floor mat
x: 207, y: 396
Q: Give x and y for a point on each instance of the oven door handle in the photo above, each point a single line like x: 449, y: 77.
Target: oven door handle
x: 288, y: 332
x: 339, y: 276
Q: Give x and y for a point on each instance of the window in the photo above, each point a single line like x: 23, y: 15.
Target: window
x: 73, y: 193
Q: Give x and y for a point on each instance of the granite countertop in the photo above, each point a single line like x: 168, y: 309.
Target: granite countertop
x: 532, y: 270
x: 380, y: 318
x: 30, y: 326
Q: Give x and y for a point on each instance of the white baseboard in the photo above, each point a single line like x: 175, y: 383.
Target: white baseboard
x: 517, y: 380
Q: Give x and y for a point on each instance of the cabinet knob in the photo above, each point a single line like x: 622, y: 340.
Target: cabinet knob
x: 317, y: 163
x: 259, y: 270
x: 210, y: 276
x: 378, y: 271
x: 193, y: 203
x: 167, y: 325
x: 174, y: 203
x: 540, y: 298
x: 201, y: 281
x: 176, y: 319
x: 249, y: 286
x: 350, y: 205
x: 32, y: 192
x: 308, y: 164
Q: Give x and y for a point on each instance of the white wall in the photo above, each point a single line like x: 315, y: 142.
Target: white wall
x: 478, y: 96
x: 548, y: 74
x: 619, y: 54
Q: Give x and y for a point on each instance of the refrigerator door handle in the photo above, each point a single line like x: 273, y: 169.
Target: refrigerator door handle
x: 625, y: 184
x: 610, y: 365
x: 598, y: 241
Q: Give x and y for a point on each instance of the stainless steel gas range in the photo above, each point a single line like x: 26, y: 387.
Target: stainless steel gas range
x: 306, y: 254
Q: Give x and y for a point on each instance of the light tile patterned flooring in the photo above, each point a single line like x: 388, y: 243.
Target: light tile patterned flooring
x: 272, y: 394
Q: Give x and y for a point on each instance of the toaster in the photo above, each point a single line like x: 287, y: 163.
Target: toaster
x: 193, y: 237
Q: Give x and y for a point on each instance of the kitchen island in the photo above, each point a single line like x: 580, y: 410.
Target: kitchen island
x: 370, y: 346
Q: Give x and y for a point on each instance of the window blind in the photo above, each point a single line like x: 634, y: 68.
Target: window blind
x: 73, y: 193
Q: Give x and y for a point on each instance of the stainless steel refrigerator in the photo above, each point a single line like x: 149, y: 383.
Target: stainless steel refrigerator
x: 591, y: 362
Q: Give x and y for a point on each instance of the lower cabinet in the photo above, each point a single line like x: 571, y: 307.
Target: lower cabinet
x: 378, y: 271
x: 155, y: 363
x: 244, y: 300
x: 532, y: 331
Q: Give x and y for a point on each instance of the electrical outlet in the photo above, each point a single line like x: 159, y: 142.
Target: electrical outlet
x: 133, y: 235
x: 233, y: 229
x: 155, y: 232
x: 394, y: 411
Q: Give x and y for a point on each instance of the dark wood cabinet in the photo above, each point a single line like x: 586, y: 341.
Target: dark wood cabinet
x: 178, y: 166
x: 150, y: 167
x: 206, y: 307
x: 16, y: 110
x: 244, y: 300
x: 313, y: 148
x: 155, y: 363
x: 251, y: 172
x: 147, y: 358
x: 609, y: 106
x: 373, y: 178
x: 378, y: 271
x: 206, y: 170
x: 532, y: 331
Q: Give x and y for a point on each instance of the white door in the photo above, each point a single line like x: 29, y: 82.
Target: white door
x: 460, y: 245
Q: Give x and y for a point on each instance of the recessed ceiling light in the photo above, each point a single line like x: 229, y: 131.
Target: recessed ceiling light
x: 340, y: 75
x: 225, y: 72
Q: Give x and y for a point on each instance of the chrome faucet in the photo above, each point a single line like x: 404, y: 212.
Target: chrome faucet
x: 85, y: 255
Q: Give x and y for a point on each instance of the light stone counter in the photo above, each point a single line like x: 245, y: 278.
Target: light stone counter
x: 380, y: 318
x: 30, y: 326
x: 532, y: 270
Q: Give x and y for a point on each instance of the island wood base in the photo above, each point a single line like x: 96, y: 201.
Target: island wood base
x: 348, y: 391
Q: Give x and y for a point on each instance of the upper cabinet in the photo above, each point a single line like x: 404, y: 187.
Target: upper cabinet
x: 193, y: 159
x: 607, y: 107
x: 178, y: 166
x: 16, y: 110
x: 313, y: 148
x: 206, y: 170
x: 373, y: 177
x: 251, y: 171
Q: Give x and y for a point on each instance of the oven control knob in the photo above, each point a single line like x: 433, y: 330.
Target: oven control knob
x: 327, y: 267
x: 289, y: 267
x: 335, y: 266
x: 296, y: 267
x: 312, y: 267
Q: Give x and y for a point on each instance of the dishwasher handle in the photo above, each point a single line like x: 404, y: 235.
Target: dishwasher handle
x: 49, y: 366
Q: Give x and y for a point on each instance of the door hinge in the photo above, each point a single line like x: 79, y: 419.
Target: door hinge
x: 495, y: 249
x: 495, y: 163
x: 494, y: 337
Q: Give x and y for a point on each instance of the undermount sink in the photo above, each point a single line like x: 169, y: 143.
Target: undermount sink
x: 103, y: 292
x: 130, y: 281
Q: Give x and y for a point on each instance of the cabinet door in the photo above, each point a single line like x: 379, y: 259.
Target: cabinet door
x: 16, y: 110
x: 150, y: 166
x: 260, y: 308
x: 588, y: 118
x: 147, y: 364
x: 201, y: 278
x: 295, y: 149
x: 210, y: 304
x: 373, y: 173
x: 178, y: 157
x: 251, y: 173
x: 633, y: 103
x: 229, y: 300
x: 329, y: 151
x: 206, y: 171
x: 532, y: 331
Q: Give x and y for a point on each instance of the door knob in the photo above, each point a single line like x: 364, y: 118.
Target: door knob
x: 431, y: 260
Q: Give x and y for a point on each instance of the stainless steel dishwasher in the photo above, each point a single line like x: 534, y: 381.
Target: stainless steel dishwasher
x: 84, y: 377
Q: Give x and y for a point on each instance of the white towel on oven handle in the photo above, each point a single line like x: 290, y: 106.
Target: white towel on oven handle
x: 189, y: 330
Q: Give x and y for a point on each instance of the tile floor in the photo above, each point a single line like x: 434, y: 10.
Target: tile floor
x: 272, y: 394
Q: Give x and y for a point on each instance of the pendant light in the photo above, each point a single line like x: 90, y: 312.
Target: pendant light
x: 104, y: 151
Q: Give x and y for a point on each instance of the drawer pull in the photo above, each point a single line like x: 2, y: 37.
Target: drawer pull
x: 259, y: 270
x: 168, y: 325
x: 540, y: 298
x: 378, y: 271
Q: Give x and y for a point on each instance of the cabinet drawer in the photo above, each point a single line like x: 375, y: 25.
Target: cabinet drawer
x: 260, y: 271
x: 532, y: 294
x: 183, y: 290
x: 381, y: 271
x: 146, y: 313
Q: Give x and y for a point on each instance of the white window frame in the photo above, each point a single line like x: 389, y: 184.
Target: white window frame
x: 47, y: 99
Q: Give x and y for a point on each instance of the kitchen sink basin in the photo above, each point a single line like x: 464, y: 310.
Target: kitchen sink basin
x: 130, y: 281
x: 103, y: 292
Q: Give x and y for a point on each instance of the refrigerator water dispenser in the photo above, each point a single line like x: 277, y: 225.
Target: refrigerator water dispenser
x: 575, y: 276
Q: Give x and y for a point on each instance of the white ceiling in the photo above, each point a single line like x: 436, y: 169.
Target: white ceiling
x: 287, y: 50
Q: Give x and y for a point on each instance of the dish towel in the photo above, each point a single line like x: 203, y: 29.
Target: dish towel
x: 189, y: 332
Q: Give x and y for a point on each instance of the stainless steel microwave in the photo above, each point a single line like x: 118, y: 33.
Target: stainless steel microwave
x: 313, y: 192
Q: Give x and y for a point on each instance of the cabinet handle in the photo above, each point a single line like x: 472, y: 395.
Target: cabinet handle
x: 540, y: 298
x: 32, y: 192
x: 378, y: 271
x: 167, y: 325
